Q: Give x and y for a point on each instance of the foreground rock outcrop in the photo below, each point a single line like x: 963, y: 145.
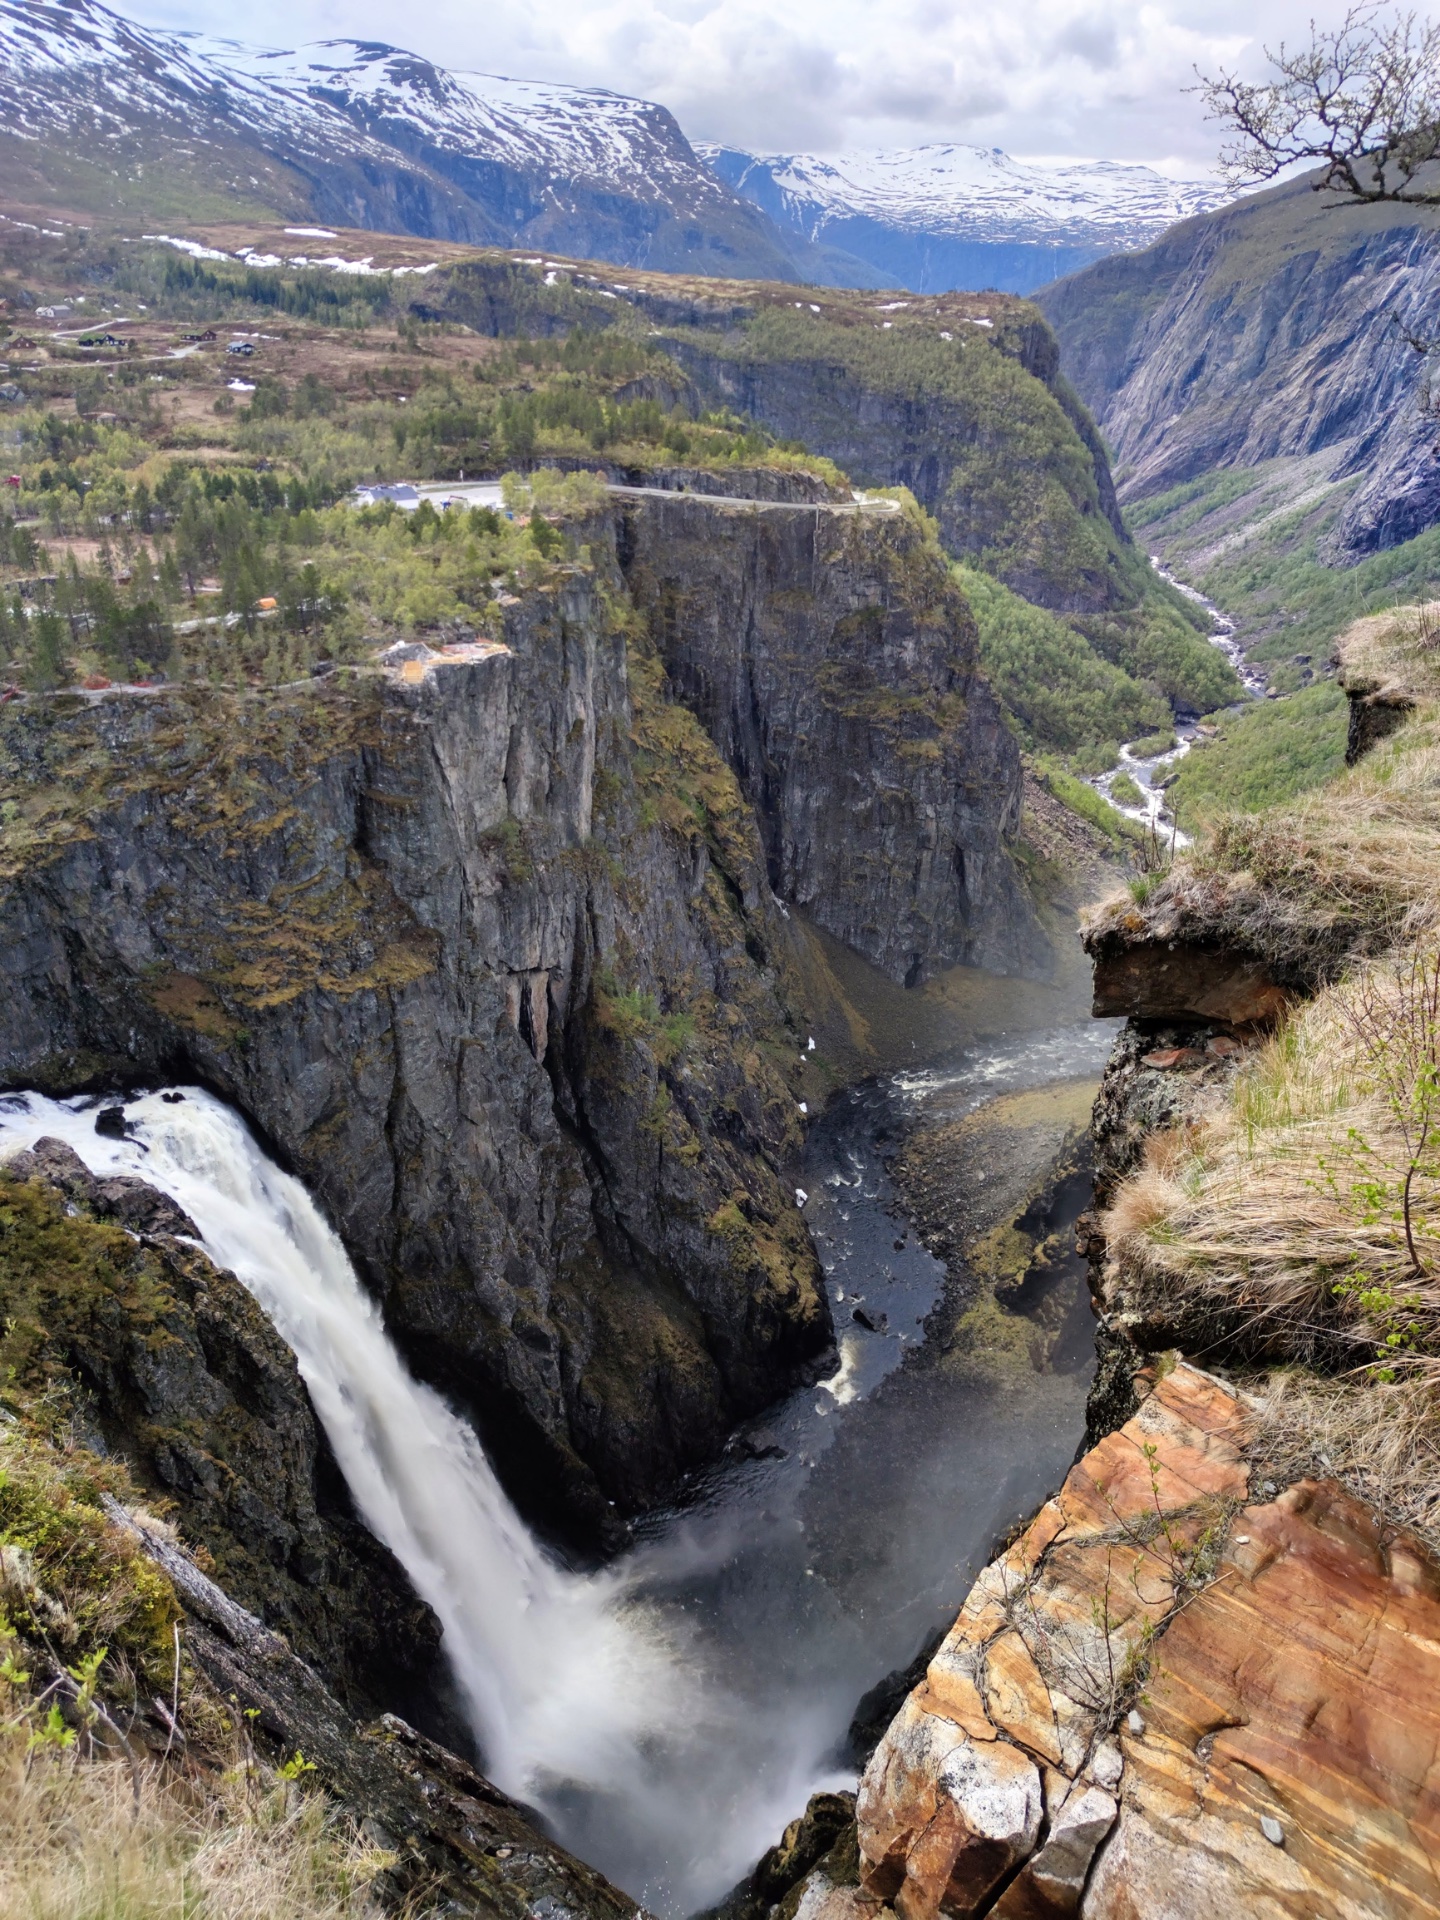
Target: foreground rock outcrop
x: 1146, y: 976
x: 1287, y: 1760
x: 1169, y: 1698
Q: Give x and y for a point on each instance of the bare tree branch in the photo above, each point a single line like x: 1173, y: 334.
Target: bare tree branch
x: 1363, y: 101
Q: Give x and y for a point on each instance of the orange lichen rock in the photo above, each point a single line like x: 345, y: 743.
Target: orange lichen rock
x: 1162, y: 1702
x: 1289, y: 1757
x: 999, y: 1738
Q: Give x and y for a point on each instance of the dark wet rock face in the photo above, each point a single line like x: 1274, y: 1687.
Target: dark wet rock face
x: 166, y: 1360
x: 835, y: 669
x: 1159, y: 979
x: 1374, y: 716
x: 494, y: 963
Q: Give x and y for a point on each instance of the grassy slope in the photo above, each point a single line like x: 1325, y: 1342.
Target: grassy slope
x: 1272, y: 1221
x: 217, y: 1833
x: 1250, y: 540
x: 150, y: 177
x: 1235, y: 535
x: 1264, y: 754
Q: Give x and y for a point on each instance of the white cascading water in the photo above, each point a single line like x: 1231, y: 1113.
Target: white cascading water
x: 579, y: 1692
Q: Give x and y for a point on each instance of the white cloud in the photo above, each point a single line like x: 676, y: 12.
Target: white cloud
x: 1082, y: 77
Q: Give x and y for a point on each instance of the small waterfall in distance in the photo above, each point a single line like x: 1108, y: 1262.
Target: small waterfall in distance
x: 587, y: 1701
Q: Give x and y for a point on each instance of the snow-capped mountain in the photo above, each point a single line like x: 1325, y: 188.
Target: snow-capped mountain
x: 934, y: 217
x: 98, y: 114
x: 368, y: 135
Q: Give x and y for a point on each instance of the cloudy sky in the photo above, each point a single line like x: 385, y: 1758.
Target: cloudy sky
x: 1090, y: 78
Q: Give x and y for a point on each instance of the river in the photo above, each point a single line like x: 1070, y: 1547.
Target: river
x: 669, y: 1713
x: 1148, y: 770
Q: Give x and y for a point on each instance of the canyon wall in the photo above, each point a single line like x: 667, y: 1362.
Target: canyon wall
x: 997, y: 448
x: 493, y: 960
x: 831, y: 659
x: 1273, y: 327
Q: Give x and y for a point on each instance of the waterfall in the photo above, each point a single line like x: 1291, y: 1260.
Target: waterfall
x: 586, y: 1700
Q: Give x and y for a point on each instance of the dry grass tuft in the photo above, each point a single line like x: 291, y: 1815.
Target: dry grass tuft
x: 1395, y: 654
x: 1282, y: 1217
x: 1296, y: 1224
x: 1347, y: 871
x: 95, y: 1822
x: 1382, y: 1442
x: 84, y: 1839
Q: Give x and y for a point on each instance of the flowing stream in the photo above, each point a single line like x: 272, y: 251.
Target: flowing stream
x: 670, y: 1713
x: 1149, y: 770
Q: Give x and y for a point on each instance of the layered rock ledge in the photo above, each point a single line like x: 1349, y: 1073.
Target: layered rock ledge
x: 1168, y: 1697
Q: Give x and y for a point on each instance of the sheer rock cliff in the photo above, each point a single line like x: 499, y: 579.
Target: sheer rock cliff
x: 1267, y: 329
x: 491, y: 957
x: 832, y: 660
x: 1012, y: 467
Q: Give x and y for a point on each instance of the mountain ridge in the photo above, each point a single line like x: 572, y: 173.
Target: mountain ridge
x: 102, y: 115
x: 1267, y: 331
x: 920, y: 215
x: 363, y: 134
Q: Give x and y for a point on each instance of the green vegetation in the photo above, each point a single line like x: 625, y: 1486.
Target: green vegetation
x: 160, y: 525
x: 1157, y: 640
x: 1088, y: 805
x: 199, y: 289
x: 1064, y: 699
x: 161, y: 534
x: 90, y: 1638
x: 1281, y: 585
x: 229, y: 592
x: 1181, y: 507
x: 1126, y: 791
x: 1264, y: 755
x: 234, y: 574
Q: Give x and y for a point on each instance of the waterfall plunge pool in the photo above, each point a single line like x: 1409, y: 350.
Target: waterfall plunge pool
x: 669, y: 1713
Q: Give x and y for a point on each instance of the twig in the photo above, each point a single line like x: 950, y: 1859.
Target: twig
x: 174, y: 1714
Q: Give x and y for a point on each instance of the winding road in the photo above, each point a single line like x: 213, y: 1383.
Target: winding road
x: 487, y: 493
